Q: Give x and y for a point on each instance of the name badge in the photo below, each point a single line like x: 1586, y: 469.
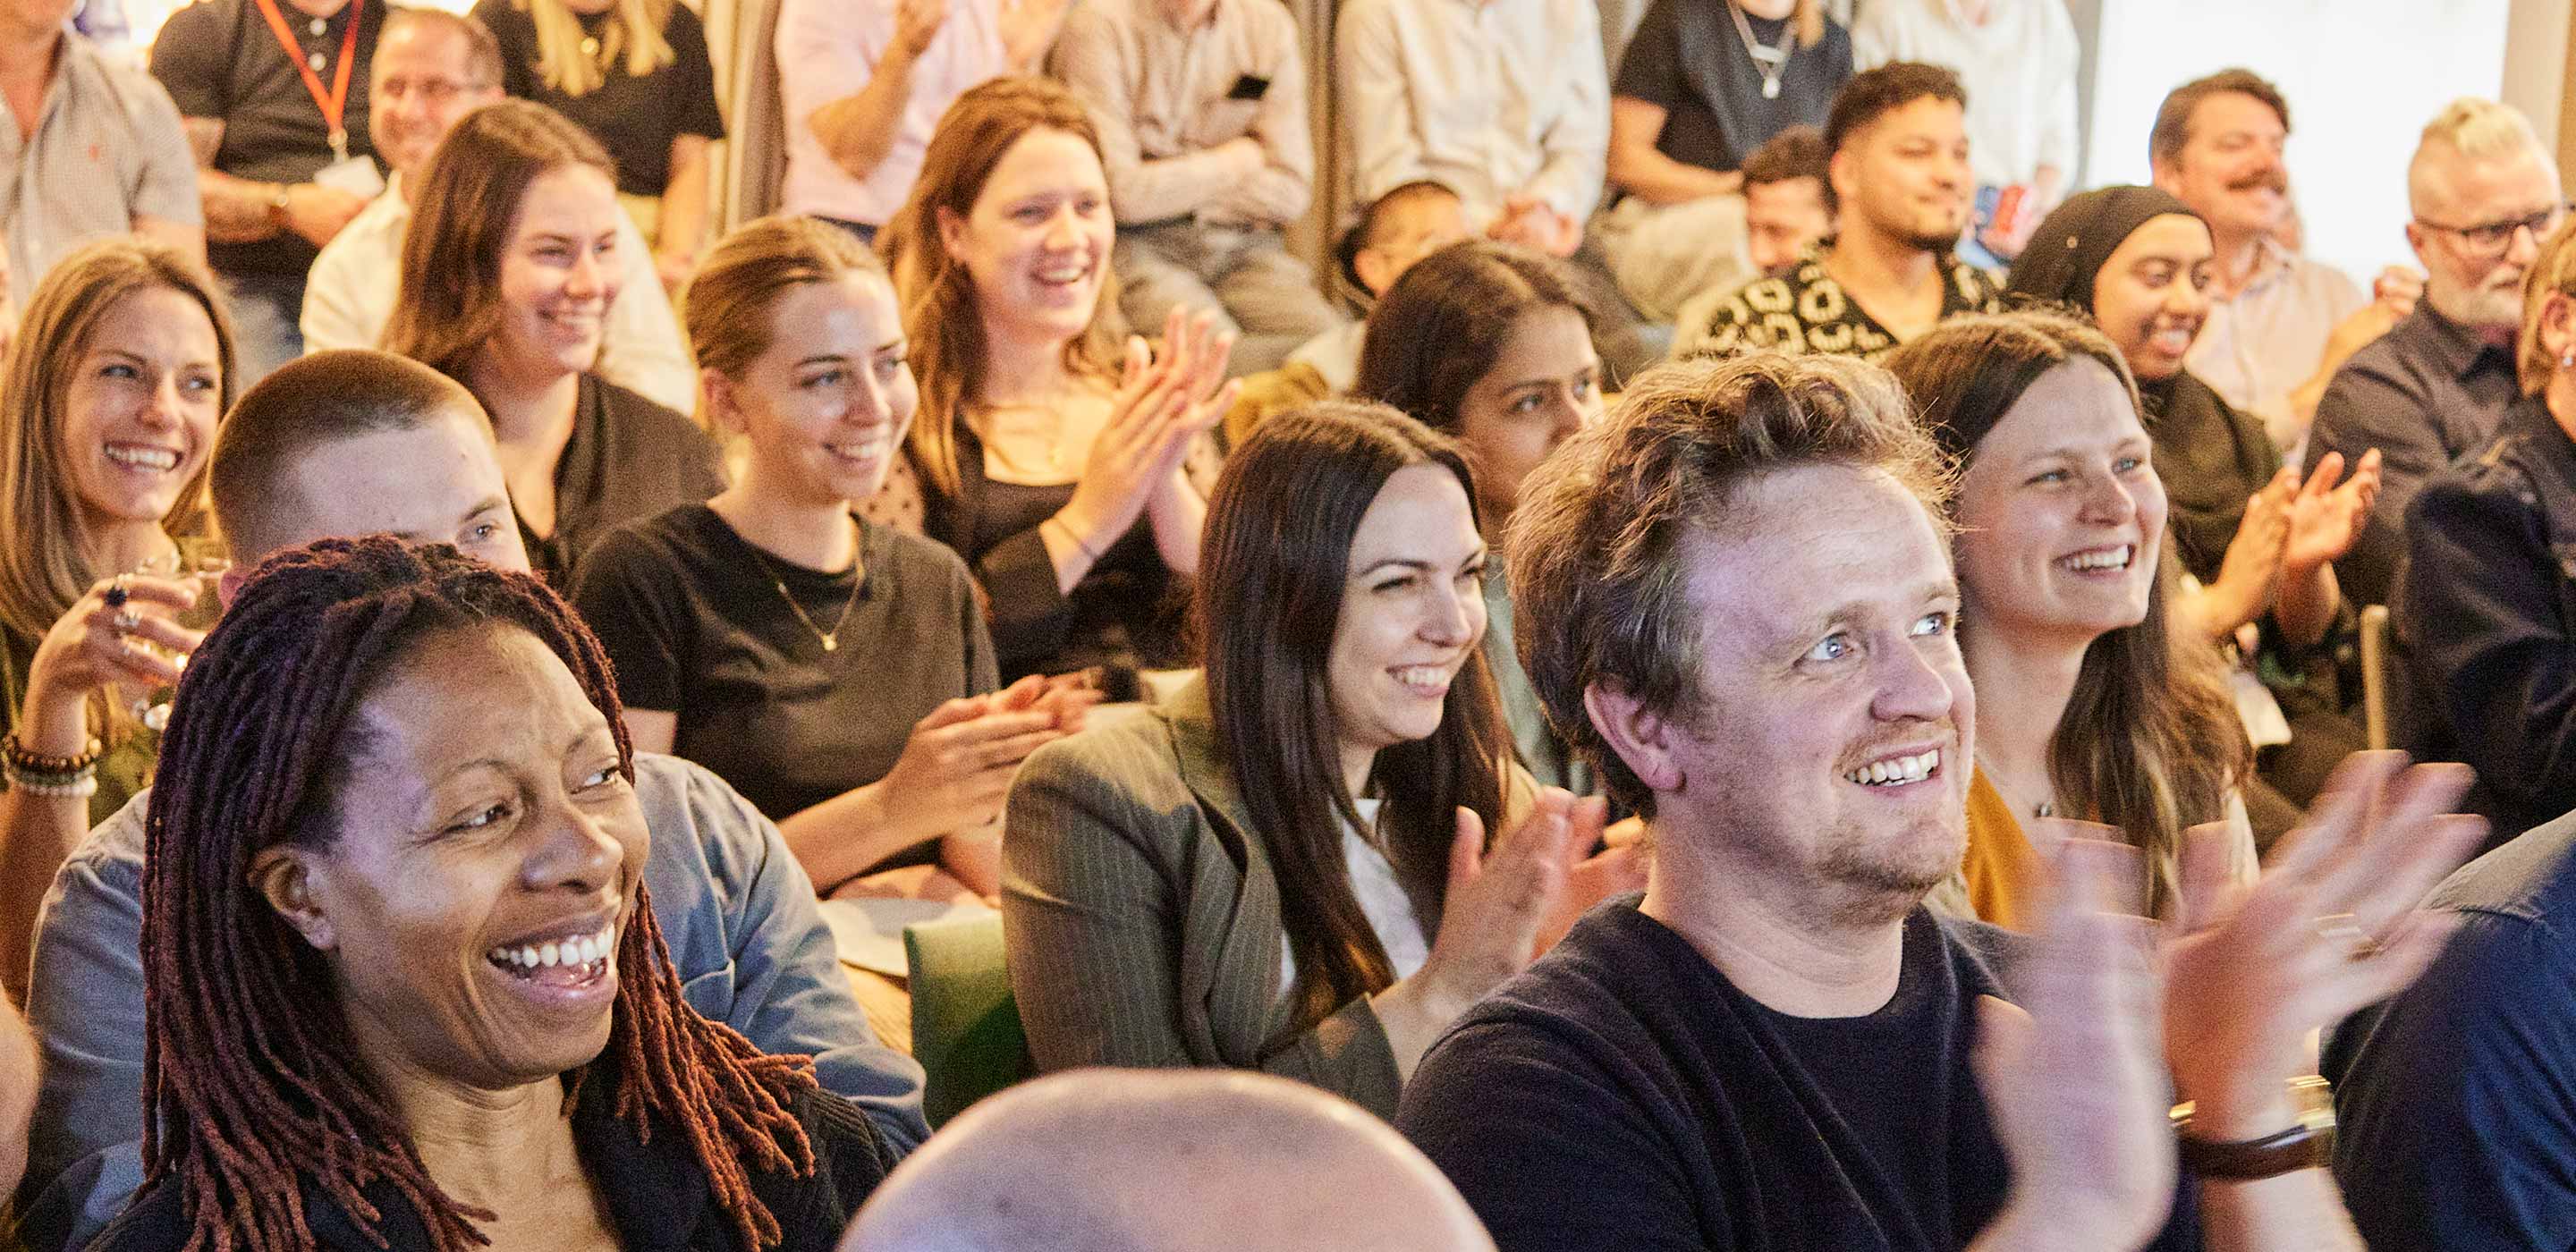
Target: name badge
x: 356, y: 175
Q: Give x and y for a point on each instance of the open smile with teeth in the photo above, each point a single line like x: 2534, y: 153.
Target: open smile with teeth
x: 2175, y: 339
x: 2099, y: 559
x: 1424, y: 680
x: 1065, y: 274
x: 1896, y: 771
x: 866, y: 451
x: 564, y: 960
x: 144, y: 456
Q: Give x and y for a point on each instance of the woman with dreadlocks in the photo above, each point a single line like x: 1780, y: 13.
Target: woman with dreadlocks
x: 403, y: 987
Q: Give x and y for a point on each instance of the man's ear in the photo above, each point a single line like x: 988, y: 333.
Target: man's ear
x: 1644, y: 739
x: 2166, y: 176
x: 285, y: 875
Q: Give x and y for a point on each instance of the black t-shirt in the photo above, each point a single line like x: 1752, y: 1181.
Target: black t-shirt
x: 1623, y: 1094
x: 219, y: 60
x: 1688, y: 57
x: 634, y: 118
x: 695, y: 626
x: 628, y: 460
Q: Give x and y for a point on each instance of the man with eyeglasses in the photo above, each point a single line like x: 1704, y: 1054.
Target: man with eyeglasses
x: 431, y: 68
x: 2483, y: 192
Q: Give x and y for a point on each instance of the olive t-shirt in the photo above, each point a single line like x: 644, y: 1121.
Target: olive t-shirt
x: 694, y: 624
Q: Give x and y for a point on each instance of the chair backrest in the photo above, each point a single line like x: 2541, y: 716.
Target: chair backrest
x: 2374, y: 675
x: 965, y: 1025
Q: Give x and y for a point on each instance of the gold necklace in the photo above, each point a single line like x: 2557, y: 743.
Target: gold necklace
x: 831, y: 638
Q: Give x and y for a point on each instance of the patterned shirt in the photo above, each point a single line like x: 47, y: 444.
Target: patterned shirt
x: 1807, y: 311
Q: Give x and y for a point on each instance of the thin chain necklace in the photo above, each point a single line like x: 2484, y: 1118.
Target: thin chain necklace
x: 2045, y: 808
x: 831, y: 638
x: 1772, y: 62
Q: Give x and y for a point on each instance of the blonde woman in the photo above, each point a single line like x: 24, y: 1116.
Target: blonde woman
x: 107, y: 418
x: 636, y: 74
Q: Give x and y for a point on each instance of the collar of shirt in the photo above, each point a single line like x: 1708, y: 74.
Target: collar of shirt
x: 2460, y: 351
x: 2272, y: 266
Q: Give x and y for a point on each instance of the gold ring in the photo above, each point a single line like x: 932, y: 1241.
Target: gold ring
x: 2359, y: 944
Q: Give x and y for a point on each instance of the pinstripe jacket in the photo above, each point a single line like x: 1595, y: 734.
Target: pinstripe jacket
x: 1142, y: 917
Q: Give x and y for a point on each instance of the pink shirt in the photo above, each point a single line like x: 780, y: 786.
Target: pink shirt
x: 826, y: 51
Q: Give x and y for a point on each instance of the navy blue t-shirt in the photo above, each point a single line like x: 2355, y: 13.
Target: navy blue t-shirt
x: 2456, y: 1101
x: 1623, y: 1094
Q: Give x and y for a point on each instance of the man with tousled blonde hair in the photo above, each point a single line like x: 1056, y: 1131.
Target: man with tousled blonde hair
x: 2483, y: 192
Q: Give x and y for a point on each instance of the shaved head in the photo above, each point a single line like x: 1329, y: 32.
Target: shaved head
x: 1108, y: 1160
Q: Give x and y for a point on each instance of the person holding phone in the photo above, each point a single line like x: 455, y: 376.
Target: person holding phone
x: 1201, y: 106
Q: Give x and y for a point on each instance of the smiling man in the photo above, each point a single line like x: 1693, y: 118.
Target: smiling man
x: 1737, y: 599
x: 353, y: 443
x: 1898, y: 176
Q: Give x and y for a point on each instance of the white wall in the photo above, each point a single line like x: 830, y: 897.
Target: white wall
x: 2362, y: 77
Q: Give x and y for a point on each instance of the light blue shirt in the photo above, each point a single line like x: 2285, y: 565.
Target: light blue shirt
x: 734, y: 906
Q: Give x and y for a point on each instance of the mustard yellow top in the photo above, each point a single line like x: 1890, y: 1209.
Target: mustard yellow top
x: 2004, y: 873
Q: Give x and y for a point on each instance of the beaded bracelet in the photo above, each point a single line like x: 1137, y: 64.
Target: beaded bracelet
x: 76, y: 784
x: 18, y: 757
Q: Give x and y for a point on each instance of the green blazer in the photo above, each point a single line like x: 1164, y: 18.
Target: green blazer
x: 1142, y: 918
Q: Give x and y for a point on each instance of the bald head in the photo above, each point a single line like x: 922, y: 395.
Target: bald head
x: 1166, y: 1161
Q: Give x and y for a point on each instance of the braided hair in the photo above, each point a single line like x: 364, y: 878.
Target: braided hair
x: 251, y: 1083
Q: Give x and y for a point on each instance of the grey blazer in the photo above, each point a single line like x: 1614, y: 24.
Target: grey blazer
x: 1142, y: 917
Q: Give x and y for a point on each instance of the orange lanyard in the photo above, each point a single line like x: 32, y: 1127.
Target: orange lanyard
x: 334, y: 106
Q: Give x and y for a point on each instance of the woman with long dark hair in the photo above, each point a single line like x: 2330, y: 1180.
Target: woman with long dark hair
x: 2089, y: 704
x: 508, y: 270
x: 1279, y: 868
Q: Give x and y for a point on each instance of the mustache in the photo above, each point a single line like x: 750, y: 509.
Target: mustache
x: 2274, y: 179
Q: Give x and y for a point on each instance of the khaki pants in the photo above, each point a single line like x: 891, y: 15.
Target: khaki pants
x: 1266, y: 297
x: 1662, y: 255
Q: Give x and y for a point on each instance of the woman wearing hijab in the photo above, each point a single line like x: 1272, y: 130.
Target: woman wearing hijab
x: 2259, y: 543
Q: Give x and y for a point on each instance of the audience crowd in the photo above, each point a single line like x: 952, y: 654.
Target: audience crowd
x: 1750, y: 666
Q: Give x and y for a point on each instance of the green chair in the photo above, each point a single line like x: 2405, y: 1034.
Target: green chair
x: 965, y: 1025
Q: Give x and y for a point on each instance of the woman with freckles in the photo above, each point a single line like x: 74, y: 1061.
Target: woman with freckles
x: 837, y: 672
x: 1060, y: 474
x: 2090, y: 705
x: 1284, y: 866
x: 508, y: 269
x: 403, y: 987
x: 107, y: 417
x: 2259, y: 543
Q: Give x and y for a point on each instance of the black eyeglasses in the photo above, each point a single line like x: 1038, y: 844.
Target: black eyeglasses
x: 2494, y: 237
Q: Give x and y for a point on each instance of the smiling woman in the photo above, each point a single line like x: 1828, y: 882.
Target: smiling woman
x: 446, y: 1015
x: 513, y: 303
x: 1310, y: 820
x: 107, y: 417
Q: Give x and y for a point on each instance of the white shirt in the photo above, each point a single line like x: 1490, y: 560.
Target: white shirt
x: 1335, y: 354
x: 1486, y: 97
x: 1382, y: 900
x: 2258, y: 347
x: 2019, y: 69
x: 827, y: 50
x: 350, y: 295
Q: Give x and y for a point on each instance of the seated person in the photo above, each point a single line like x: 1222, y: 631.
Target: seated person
x: 1701, y: 87
x: 2088, y: 708
x: 107, y: 419
x: 2020, y: 61
x: 1489, y: 344
x: 1397, y: 229
x: 1129, y: 1161
x: 2259, y: 543
x: 2485, y: 627
x: 1273, y: 870
x: 2455, y: 1112
x: 1785, y: 205
x: 447, y: 1015
x: 864, y: 84
x: 831, y: 669
x: 353, y: 443
x: 1777, y: 1046
x: 432, y: 68
x: 1897, y: 182
x: 1063, y: 482
x: 508, y: 270
x: 1201, y: 106
x: 639, y: 78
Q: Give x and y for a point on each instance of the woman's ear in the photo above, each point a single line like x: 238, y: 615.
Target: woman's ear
x: 952, y: 230
x: 723, y: 409
x: 2558, y: 326
x: 286, y: 875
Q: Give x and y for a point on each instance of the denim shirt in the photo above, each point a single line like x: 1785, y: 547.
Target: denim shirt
x: 734, y: 906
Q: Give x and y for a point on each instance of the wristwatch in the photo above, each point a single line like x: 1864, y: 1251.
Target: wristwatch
x: 2309, y: 1144
x: 277, y: 207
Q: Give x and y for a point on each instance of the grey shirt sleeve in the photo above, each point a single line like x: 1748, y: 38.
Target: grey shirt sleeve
x: 85, y: 1003
x: 2365, y: 408
x: 167, y: 189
